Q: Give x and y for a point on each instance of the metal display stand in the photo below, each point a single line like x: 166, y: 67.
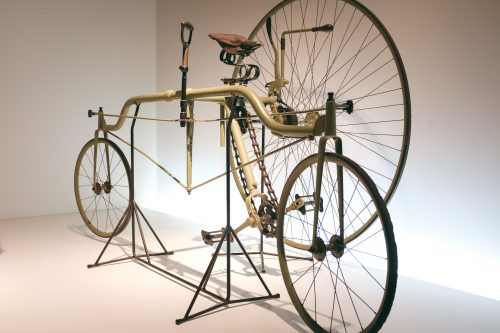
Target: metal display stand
x: 228, y: 235
x: 136, y: 214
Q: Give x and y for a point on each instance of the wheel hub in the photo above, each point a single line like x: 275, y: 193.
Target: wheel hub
x: 97, y: 188
x: 107, y: 187
x: 337, y: 246
x: 318, y: 249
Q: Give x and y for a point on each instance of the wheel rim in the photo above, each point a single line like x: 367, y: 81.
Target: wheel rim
x: 104, y: 204
x: 351, y: 293
x: 358, y: 61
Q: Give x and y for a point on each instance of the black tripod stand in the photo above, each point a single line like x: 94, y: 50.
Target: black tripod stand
x: 135, y: 214
x: 227, y: 236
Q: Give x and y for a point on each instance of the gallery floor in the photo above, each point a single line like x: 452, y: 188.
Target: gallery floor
x: 45, y: 286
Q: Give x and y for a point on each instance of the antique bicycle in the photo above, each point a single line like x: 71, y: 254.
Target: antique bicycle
x: 316, y: 81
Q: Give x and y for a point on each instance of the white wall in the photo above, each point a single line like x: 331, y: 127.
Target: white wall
x: 444, y: 209
x: 59, y: 58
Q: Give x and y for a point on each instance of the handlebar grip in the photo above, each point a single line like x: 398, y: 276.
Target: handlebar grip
x: 185, y: 25
x: 326, y: 28
x: 269, y: 29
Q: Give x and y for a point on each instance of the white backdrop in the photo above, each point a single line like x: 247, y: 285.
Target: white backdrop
x: 58, y: 59
x: 62, y: 57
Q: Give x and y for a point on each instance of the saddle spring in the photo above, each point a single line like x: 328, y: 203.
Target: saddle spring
x: 233, y: 45
x: 246, y: 72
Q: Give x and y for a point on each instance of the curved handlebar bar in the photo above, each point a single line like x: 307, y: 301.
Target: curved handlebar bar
x: 223, y: 91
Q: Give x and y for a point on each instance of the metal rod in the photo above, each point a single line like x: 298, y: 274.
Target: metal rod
x: 205, y: 276
x: 142, y: 234
x: 263, y: 144
x: 214, y: 307
x: 132, y: 169
x: 251, y: 263
x: 250, y: 162
x: 152, y: 160
x: 113, y: 234
x: 152, y: 230
x: 228, y: 200
x: 192, y: 120
x: 178, y: 278
x: 219, y: 175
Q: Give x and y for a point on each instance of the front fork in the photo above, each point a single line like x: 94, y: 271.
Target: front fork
x: 337, y: 242
x: 100, y: 125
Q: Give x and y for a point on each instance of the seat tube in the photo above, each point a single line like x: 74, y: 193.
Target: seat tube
x: 242, y: 152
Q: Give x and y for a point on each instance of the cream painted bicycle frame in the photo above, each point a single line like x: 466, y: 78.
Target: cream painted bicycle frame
x: 218, y: 95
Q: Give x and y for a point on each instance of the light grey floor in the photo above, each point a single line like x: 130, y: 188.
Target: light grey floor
x: 45, y: 286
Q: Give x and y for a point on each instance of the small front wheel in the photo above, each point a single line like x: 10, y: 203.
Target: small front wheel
x: 103, y: 202
x: 338, y: 282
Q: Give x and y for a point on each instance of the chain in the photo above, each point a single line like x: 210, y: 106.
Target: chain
x: 262, y: 166
x: 240, y: 171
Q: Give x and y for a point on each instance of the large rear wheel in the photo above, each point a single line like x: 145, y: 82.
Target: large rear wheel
x: 358, y: 61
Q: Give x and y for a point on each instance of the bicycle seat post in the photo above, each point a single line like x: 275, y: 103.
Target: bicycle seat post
x: 184, y: 66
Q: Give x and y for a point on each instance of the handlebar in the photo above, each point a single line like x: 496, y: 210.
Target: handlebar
x: 221, y: 92
x: 185, y: 25
x: 325, y: 28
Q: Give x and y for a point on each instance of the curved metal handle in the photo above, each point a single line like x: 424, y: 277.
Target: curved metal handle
x: 269, y: 29
x: 325, y: 28
x: 185, y: 25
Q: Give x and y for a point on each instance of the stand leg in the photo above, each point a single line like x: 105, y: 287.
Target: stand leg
x: 142, y: 233
x: 251, y: 262
x: 152, y: 230
x: 135, y: 211
x: 263, y: 267
x: 113, y: 234
x: 205, y: 278
x: 224, y: 301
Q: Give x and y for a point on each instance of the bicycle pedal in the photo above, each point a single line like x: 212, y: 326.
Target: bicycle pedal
x: 211, y: 237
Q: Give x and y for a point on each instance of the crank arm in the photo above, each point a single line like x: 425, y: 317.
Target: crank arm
x: 295, y: 205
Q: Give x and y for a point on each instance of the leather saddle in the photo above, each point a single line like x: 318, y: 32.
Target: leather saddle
x: 235, y: 44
